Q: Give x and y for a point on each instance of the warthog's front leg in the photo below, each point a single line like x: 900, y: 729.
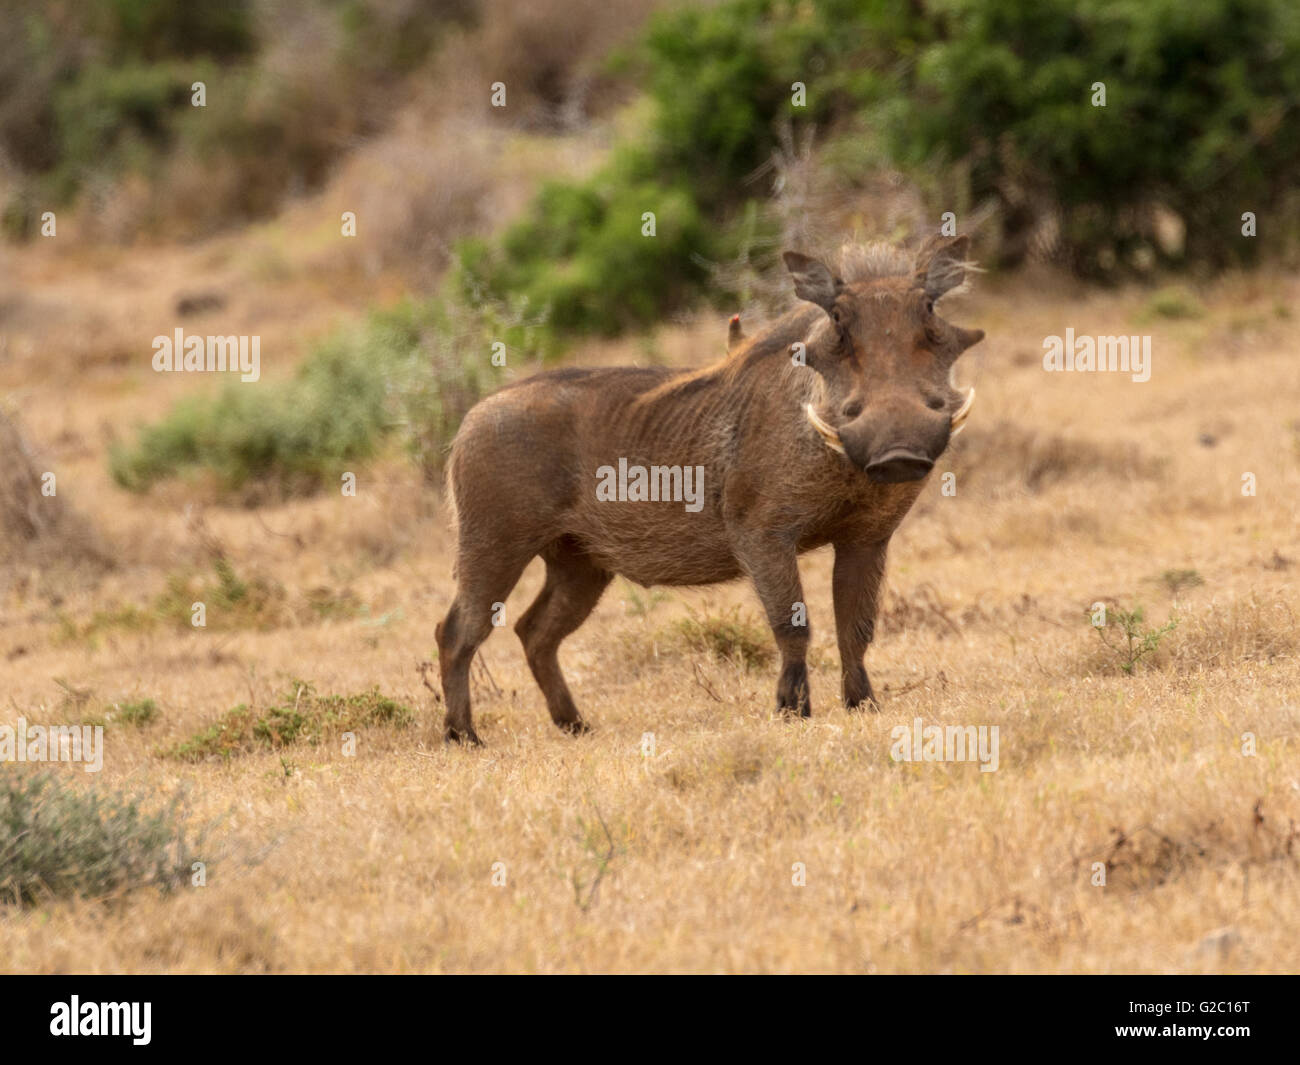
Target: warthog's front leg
x: 855, y: 585
x: 773, y: 565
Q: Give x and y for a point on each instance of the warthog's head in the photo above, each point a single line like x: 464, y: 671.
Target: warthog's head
x: 886, y: 357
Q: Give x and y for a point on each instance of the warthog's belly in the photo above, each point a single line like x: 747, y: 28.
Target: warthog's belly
x: 677, y: 570
x: 659, y: 543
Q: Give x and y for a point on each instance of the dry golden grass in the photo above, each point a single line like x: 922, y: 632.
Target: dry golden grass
x: 1071, y: 490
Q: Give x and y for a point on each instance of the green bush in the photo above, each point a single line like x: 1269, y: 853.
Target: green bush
x: 292, y: 436
x: 1200, y: 116
x: 580, y: 253
x: 722, y: 76
x: 720, y: 81
x: 160, y: 29
x: 104, y: 89
x: 111, y: 117
x: 981, y: 100
x: 408, y: 376
x: 230, y: 601
x: 134, y: 712
x: 58, y: 841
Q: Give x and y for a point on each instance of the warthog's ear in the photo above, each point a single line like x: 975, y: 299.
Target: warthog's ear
x: 812, y: 280
x: 941, y: 264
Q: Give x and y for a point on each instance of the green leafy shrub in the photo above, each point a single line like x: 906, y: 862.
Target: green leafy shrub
x: 291, y: 435
x: 104, y: 90
x: 409, y: 374
x: 580, y: 253
x: 58, y: 841
x: 982, y: 101
x: 1199, y: 112
x: 719, y: 79
x: 158, y: 29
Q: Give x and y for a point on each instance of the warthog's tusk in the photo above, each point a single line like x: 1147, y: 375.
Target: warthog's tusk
x: 959, y: 419
x: 832, y: 438
x: 825, y: 431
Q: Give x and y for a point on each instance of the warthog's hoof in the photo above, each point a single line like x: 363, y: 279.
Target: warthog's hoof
x: 574, y: 728
x: 858, y: 693
x: 466, y: 736
x: 792, y: 697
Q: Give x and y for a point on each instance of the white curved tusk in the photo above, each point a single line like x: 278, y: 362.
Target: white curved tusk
x: 825, y: 431
x: 959, y: 418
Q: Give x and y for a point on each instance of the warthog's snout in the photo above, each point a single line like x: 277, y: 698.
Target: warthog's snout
x: 895, y: 445
x: 898, y: 465
x: 893, y: 453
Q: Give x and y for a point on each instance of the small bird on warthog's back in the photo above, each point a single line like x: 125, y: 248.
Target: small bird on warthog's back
x: 820, y: 429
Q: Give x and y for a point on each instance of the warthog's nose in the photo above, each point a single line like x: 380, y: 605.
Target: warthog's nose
x: 898, y: 465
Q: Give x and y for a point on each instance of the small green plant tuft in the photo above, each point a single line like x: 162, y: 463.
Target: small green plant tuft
x: 638, y: 605
x: 730, y: 636
x: 1136, y: 642
x: 125, y: 617
x: 1178, y: 579
x: 134, y: 712
x: 1174, y: 302
x: 230, y: 601
x: 301, y: 716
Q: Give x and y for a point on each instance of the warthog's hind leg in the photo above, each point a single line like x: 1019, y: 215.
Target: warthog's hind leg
x: 574, y: 584
x: 486, y: 578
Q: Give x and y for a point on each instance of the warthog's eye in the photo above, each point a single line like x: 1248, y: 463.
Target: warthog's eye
x: 929, y: 306
x: 935, y: 403
x: 851, y: 409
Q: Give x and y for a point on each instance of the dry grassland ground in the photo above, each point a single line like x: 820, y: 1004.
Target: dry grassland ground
x: 1071, y: 489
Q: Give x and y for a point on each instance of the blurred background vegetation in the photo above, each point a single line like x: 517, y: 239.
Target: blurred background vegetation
x: 912, y: 108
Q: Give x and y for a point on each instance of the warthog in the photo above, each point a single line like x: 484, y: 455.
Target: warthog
x: 820, y: 429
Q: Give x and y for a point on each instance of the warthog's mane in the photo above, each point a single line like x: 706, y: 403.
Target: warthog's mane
x: 874, y: 261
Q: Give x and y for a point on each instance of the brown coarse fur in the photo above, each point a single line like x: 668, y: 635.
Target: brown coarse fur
x: 865, y: 352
